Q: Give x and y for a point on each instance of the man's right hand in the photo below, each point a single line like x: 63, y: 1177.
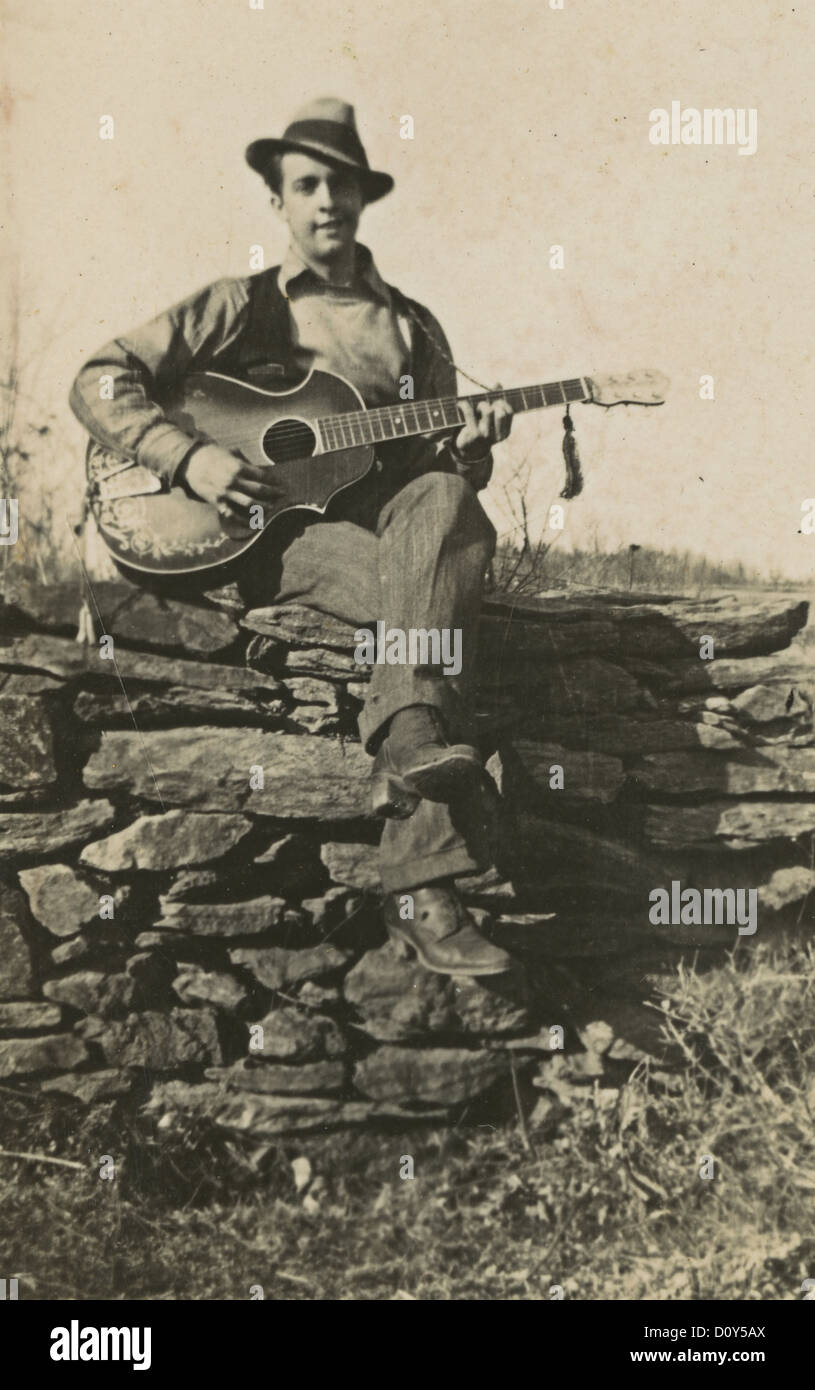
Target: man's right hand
x: 230, y: 483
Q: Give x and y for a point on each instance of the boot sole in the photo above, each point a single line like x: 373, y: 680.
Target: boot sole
x: 406, y: 949
x: 396, y: 797
x: 445, y: 781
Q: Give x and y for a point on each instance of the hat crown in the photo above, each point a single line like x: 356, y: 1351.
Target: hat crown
x: 324, y: 128
x: 327, y: 109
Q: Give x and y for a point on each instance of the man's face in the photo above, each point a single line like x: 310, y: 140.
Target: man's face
x: 321, y: 205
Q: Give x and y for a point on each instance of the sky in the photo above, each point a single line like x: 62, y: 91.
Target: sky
x: 531, y: 129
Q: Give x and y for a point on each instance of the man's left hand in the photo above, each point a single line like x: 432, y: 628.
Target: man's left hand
x: 492, y: 424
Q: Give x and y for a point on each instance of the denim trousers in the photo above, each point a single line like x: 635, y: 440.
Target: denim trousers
x: 414, y: 558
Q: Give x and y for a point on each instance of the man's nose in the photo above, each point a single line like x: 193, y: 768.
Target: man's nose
x: 328, y: 195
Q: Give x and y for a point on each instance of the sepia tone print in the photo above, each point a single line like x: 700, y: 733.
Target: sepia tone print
x: 407, y: 671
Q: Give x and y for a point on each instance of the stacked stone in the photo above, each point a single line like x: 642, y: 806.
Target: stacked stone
x: 189, y: 907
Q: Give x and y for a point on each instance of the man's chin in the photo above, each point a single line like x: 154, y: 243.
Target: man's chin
x: 329, y: 247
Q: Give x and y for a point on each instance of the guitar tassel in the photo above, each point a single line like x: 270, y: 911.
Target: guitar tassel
x: 574, y: 473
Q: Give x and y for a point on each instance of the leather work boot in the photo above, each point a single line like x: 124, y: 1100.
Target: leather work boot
x: 417, y: 760
x: 442, y: 934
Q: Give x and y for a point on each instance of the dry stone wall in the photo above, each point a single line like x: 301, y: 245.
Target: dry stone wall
x: 176, y: 934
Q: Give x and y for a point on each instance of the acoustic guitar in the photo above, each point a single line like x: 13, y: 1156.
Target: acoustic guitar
x: 318, y: 436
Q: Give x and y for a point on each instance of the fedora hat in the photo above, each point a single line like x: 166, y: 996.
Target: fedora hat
x: 325, y: 128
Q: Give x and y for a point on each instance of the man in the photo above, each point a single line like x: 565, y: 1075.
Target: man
x: 408, y: 544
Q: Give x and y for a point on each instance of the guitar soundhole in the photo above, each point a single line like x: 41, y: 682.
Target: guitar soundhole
x: 288, y: 439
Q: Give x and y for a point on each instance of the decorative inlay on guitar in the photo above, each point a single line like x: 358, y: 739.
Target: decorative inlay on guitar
x: 318, y: 436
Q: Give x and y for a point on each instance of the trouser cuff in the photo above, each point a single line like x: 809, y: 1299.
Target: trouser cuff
x: 380, y: 707
x: 415, y: 873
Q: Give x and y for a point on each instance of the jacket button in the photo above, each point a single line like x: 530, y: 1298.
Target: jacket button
x: 378, y: 465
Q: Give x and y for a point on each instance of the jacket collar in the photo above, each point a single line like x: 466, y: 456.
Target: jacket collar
x: 296, y: 275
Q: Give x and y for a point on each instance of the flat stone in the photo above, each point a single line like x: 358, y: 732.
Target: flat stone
x: 227, y: 597
x: 167, y: 842
x: 314, y: 719
x: 196, y: 986
x: 250, y: 918
x: 275, y: 967
x: 158, y: 940
x: 585, y: 685
x: 290, y: 849
x: 735, y: 626
x: 92, y: 991
x: 509, y: 637
x: 16, y: 978
x: 47, y: 832
x: 76, y: 949
x: 435, y: 1075
x: 169, y: 623
x: 209, y: 768
x: 355, y: 865
x: 26, y: 682
x: 401, y: 1000
x: 794, y: 668
x: 26, y: 742
x: 321, y: 662
x: 58, y: 1052
x: 292, y: 1036
x: 587, y: 776
x: 56, y: 606
x: 61, y: 901
x: 91, y: 1086
x: 739, y: 825
x: 305, y: 690
x: 65, y: 659
x: 329, y: 908
x: 156, y: 1041
x: 28, y: 1018
x: 752, y: 772
x: 763, y: 704
x: 176, y: 703
x: 261, y: 1116
x: 190, y: 884
x: 267, y: 1079
x: 305, y: 627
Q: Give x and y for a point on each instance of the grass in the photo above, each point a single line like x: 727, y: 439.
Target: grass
x: 610, y: 1204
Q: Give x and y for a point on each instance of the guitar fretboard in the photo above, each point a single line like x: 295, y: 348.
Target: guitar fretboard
x: 355, y: 428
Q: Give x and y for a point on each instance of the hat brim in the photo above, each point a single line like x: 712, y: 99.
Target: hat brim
x: 374, y: 183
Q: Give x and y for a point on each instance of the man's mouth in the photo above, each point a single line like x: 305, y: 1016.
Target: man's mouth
x: 333, y: 226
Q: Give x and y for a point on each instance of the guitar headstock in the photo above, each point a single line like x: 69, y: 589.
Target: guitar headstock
x: 645, y: 387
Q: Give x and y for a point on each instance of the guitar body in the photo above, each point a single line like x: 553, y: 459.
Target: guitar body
x: 316, y: 436
x: 154, y: 531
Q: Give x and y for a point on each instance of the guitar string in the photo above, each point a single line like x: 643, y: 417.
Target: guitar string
x: 288, y: 432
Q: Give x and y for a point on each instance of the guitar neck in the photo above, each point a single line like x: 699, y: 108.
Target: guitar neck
x: 360, y: 427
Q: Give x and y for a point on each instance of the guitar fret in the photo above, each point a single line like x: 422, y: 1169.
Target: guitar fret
x: 553, y: 393
x: 366, y: 427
